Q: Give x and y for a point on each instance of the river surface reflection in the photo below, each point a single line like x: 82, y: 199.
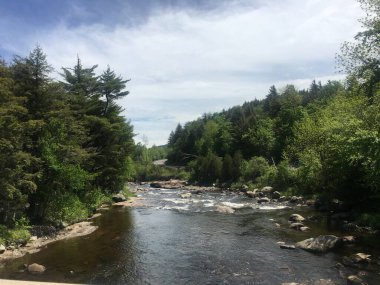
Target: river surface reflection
x: 185, y: 241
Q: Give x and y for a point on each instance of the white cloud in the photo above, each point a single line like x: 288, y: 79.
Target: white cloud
x: 183, y: 64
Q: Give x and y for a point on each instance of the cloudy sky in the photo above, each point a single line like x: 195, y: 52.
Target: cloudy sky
x: 185, y: 57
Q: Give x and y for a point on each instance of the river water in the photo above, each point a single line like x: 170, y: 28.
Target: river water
x: 172, y: 240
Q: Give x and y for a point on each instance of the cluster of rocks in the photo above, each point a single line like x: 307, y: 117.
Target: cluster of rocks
x: 170, y: 184
x: 325, y: 243
x: 268, y: 194
x: 297, y: 223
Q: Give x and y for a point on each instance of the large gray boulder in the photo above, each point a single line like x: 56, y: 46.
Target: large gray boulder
x: 2, y: 248
x: 320, y: 244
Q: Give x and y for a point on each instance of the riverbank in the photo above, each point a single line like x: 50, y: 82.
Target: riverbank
x: 79, y: 229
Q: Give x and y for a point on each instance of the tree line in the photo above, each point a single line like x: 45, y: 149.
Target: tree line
x: 64, y: 145
x: 323, y: 141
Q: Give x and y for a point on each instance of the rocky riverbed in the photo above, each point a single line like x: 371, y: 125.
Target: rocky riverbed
x: 192, y: 235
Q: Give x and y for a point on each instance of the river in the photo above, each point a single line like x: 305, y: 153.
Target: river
x: 172, y: 240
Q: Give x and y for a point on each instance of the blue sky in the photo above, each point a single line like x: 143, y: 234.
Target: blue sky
x: 185, y: 57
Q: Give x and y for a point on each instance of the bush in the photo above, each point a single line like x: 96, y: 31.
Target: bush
x: 93, y: 199
x: 17, y: 234
x: 256, y: 167
x: 66, y: 208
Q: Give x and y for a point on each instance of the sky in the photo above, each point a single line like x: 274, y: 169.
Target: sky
x: 185, y: 57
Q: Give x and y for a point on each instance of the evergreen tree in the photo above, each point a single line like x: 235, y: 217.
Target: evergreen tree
x: 111, y: 87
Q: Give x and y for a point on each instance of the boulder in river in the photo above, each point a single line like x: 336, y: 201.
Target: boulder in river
x: 2, y: 248
x: 320, y: 244
x: 263, y: 200
x: 296, y: 218
x: 224, y: 209
x: 296, y: 226
x: 357, y: 259
x: 155, y: 185
x: 295, y: 199
x: 36, y: 268
x: 348, y: 239
x: 119, y: 197
x: 251, y: 194
x: 276, y: 195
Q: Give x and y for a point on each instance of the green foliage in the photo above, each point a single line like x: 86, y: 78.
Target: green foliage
x: 19, y: 233
x: 60, y: 140
x: 94, y: 198
x: 207, y: 169
x: 127, y: 192
x: 66, y: 207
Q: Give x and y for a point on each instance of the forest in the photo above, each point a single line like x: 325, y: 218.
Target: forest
x: 64, y: 145
x: 321, y: 142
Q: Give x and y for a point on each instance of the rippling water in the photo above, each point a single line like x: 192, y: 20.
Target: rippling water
x: 186, y: 241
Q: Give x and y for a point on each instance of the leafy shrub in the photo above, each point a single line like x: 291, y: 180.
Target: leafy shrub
x: 67, y: 208
x: 94, y: 198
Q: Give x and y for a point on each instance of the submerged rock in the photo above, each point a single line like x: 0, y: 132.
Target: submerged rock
x: 320, y: 244
x: 36, y: 268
